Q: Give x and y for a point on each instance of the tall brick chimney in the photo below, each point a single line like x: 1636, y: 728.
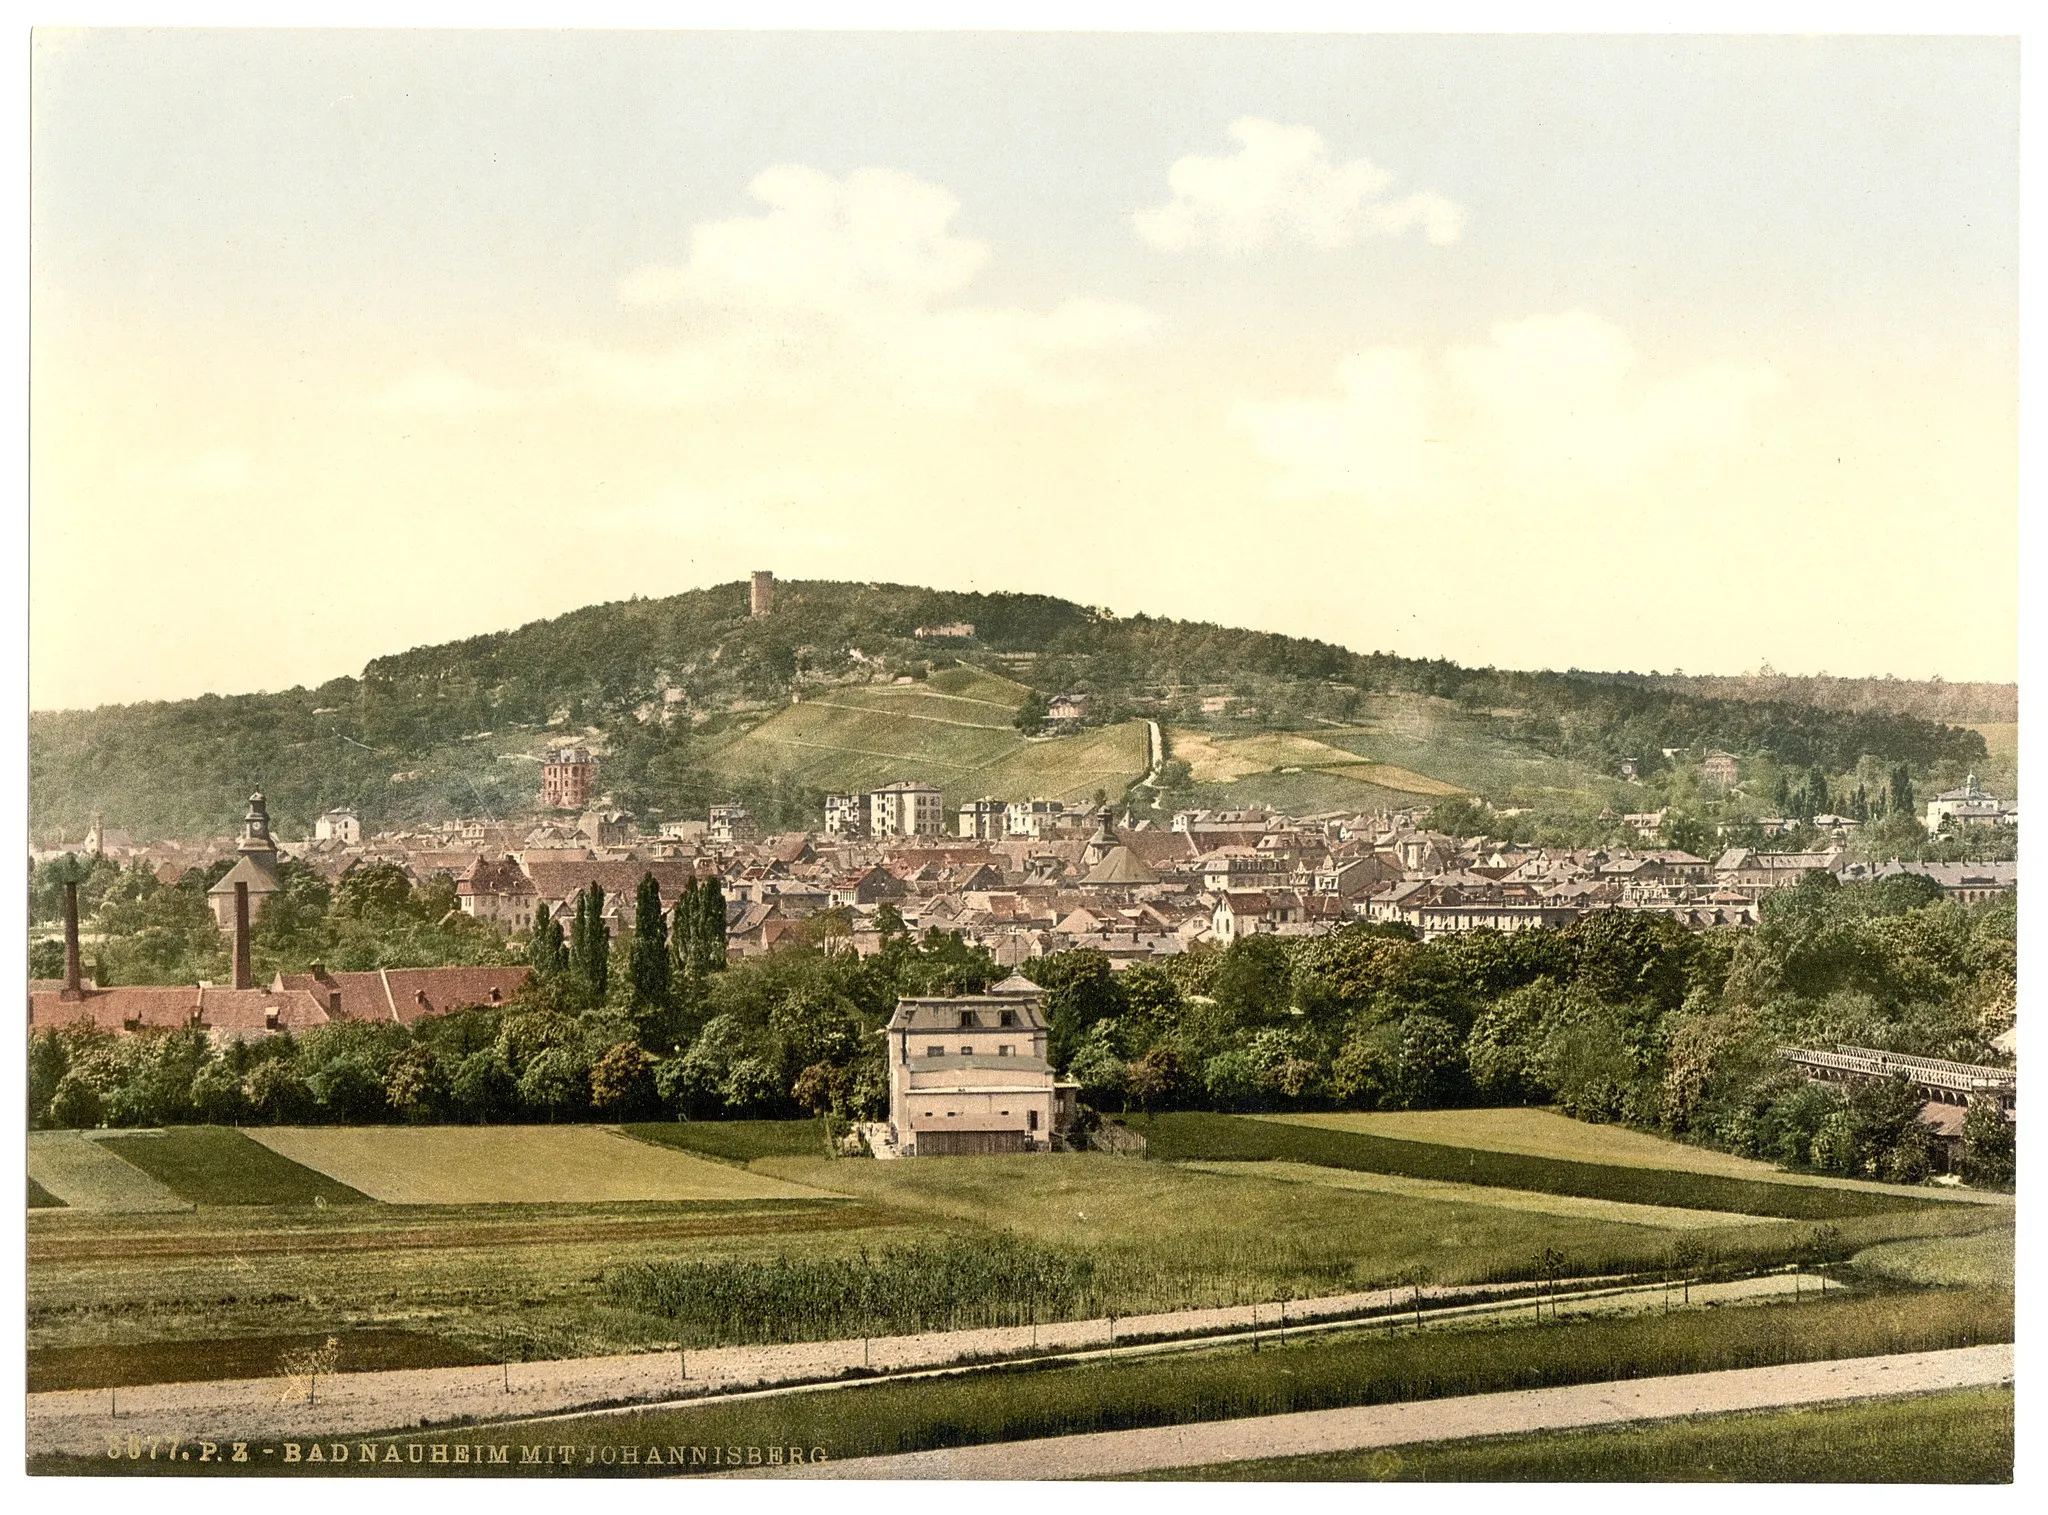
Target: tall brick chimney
x: 74, y: 982
x: 761, y: 598
x: 242, y: 977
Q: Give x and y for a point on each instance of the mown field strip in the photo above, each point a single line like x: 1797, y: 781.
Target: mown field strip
x: 894, y: 757
x: 1110, y: 1454
x: 50, y: 1240
x: 905, y: 715
x: 1664, y: 1217
x: 1187, y: 1135
x: 1523, y: 1132
x: 499, y: 1165
x: 88, y: 1177
x: 1535, y: 1133
x: 923, y: 692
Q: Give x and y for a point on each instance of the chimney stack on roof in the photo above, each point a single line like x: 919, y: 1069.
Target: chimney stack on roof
x: 74, y: 984
x: 242, y: 977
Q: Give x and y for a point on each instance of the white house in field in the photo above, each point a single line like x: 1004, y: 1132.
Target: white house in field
x: 968, y: 1074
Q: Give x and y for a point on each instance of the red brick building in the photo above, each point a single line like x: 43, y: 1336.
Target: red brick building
x: 568, y: 778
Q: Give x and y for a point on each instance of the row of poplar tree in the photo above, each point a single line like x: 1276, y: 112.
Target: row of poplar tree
x: 671, y: 953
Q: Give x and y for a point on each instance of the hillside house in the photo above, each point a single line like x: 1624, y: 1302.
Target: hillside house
x: 968, y: 1074
x: 1645, y: 823
x: 568, y: 778
x: 729, y: 825
x: 1968, y: 806
x: 343, y: 826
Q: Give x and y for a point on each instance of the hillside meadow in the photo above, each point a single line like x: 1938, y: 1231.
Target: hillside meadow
x: 848, y: 739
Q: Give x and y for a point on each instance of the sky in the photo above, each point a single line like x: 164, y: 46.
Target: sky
x: 1651, y: 353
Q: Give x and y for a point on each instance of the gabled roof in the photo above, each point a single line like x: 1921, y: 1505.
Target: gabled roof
x: 1119, y: 867
x: 249, y: 869
x: 177, y: 1006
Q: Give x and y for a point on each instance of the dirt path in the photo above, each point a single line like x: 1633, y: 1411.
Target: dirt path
x: 1111, y: 1454
x: 349, y: 1404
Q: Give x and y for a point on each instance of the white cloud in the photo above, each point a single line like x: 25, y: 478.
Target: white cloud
x: 1369, y: 441
x: 1552, y: 405
x: 1557, y: 395
x: 856, y: 281
x: 437, y: 391
x: 1282, y: 185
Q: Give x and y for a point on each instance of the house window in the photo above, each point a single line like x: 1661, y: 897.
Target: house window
x: 1032, y: 1117
x: 1006, y: 1050
x: 1009, y: 1018
x: 935, y: 1052
x: 966, y: 1019
x: 967, y: 1052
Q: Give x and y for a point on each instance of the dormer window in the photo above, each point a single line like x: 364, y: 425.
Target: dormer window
x: 1009, y: 1018
x: 967, y: 1021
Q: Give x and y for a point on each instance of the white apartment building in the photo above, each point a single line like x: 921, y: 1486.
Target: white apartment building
x: 983, y: 820
x: 1035, y: 819
x: 908, y: 807
x: 846, y: 815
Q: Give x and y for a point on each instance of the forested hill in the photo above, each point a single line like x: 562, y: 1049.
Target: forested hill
x: 455, y: 729
x: 1933, y: 699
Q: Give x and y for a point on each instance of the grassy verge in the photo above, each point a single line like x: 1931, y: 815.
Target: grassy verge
x: 1963, y: 1436
x: 1984, y: 1260
x: 103, y: 1367
x: 212, y: 1165
x: 1313, y: 1374
x: 1198, y: 1135
x: 736, y: 1141
x: 40, y: 1198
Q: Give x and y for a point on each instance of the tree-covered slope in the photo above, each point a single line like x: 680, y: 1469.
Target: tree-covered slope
x: 454, y: 729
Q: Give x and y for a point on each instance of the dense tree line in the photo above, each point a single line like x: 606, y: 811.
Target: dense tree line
x: 1621, y: 1017
x: 419, y: 735
x: 144, y: 931
x: 657, y: 1025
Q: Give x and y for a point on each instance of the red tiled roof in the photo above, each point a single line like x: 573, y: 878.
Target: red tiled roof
x: 407, y: 995
x: 558, y: 880
x: 173, y: 1007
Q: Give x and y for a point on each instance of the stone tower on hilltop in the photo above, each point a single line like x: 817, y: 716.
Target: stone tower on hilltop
x: 761, y: 598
